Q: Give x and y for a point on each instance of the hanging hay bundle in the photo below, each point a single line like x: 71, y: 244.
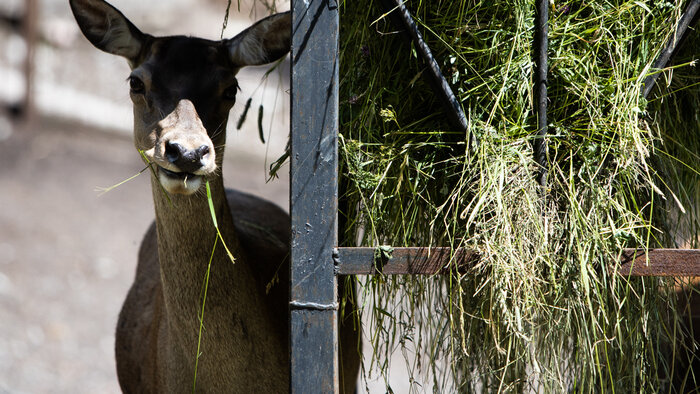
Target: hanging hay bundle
x: 543, y: 309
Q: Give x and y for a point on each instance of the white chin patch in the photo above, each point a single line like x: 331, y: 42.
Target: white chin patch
x: 182, y: 184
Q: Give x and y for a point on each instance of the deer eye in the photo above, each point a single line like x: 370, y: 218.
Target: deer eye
x: 136, y: 85
x: 230, y: 92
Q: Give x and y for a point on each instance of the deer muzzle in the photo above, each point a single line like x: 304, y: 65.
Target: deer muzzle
x: 184, y: 153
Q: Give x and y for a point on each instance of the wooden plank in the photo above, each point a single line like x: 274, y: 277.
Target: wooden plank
x: 313, y: 197
x: 413, y: 260
x: 660, y: 262
x: 428, y: 261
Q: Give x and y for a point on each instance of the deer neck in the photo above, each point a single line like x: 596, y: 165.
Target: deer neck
x: 235, y: 315
x: 186, y: 238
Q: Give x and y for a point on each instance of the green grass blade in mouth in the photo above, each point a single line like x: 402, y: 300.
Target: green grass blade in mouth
x: 216, y: 225
x: 211, y: 206
x: 201, y: 315
x: 103, y: 190
x: 155, y: 176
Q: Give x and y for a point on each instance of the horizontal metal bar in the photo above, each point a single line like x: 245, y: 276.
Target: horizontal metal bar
x: 415, y: 260
x: 427, y: 261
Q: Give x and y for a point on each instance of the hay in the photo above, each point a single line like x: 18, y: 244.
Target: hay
x: 541, y: 311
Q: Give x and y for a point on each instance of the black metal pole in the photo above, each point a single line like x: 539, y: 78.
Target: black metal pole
x: 541, y: 45
x: 442, y: 89
x: 665, y: 55
x: 313, y: 197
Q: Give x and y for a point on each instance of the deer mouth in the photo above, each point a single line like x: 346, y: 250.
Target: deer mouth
x: 179, y: 182
x: 177, y: 175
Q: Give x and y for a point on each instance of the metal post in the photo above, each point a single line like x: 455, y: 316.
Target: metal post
x: 441, y: 87
x: 671, y: 46
x: 540, y: 90
x: 313, y: 196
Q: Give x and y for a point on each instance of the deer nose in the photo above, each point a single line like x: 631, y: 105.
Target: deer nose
x: 187, y: 160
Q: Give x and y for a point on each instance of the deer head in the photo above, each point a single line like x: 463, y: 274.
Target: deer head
x: 182, y: 88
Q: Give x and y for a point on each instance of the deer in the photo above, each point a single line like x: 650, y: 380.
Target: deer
x: 182, y: 89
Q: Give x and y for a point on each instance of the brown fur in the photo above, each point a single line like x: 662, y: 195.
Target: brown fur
x: 181, y: 97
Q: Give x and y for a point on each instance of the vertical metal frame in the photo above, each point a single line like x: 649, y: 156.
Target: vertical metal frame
x: 540, y: 47
x: 313, y: 197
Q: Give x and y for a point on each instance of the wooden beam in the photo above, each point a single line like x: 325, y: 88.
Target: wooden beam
x: 440, y: 260
x: 660, y: 262
x: 414, y: 260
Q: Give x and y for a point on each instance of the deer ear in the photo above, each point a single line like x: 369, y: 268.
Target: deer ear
x: 266, y: 41
x: 108, y: 29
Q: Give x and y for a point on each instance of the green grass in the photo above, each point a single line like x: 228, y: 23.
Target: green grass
x: 205, y: 284
x: 544, y: 308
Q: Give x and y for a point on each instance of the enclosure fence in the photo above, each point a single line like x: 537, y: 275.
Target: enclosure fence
x: 316, y: 259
